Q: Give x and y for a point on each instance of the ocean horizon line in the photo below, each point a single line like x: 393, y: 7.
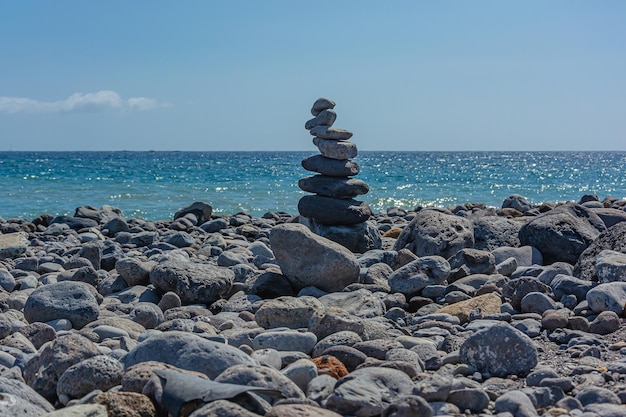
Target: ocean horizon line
x: 305, y: 150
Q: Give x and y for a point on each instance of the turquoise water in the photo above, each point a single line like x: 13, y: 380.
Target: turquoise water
x: 154, y: 185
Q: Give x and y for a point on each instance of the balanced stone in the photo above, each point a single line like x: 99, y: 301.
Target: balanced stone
x: 334, y: 149
x: 333, y: 186
x: 333, y: 133
x: 324, y: 118
x: 334, y: 211
x: 322, y: 104
x: 330, y: 167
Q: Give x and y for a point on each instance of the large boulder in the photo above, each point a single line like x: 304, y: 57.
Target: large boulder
x: 491, y: 232
x: 307, y: 259
x: 195, y: 283
x: 563, y: 233
x: 74, y: 301
x: 613, y: 238
x: 500, y: 350
x: 433, y: 232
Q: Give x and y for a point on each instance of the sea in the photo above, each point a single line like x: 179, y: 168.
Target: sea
x: 155, y: 184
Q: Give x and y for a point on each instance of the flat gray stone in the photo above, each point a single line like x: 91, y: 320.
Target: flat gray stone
x: 331, y: 167
x: 291, y: 340
x: 336, y: 149
x: 333, y: 133
x: 333, y: 186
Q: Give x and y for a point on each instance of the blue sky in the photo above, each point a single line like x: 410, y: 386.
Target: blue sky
x: 242, y: 75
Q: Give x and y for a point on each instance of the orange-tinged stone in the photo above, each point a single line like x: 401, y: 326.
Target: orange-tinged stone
x: 393, y: 233
x: 487, y: 303
x: 330, y: 365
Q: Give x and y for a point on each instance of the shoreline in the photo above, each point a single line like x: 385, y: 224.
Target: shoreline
x: 417, y: 320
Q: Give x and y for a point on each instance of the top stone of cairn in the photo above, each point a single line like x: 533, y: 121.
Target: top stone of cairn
x: 322, y: 104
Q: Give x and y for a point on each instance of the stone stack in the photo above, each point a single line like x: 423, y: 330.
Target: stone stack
x: 332, y: 210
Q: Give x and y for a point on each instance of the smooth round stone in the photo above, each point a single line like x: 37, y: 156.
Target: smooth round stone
x: 608, y: 297
x: 285, y: 341
x: 332, y: 133
x: 605, y: 323
x: 267, y: 357
x: 472, y: 399
x: 367, y: 391
x: 70, y: 300
x: 342, y: 338
x: 99, y: 372
x: 322, y: 104
x: 334, y: 211
x: 301, y: 372
x: 7, y: 281
x: 336, y: 149
x: 333, y: 186
x: 261, y: 376
x: 331, y: 167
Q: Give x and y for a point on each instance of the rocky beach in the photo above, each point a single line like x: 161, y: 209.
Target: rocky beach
x: 465, y: 310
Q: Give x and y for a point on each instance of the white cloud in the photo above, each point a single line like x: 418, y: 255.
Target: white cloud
x: 79, y: 102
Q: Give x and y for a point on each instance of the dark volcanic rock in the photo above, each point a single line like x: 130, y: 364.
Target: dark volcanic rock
x: 331, y: 167
x: 563, y: 233
x: 491, y: 232
x: 334, y: 211
x: 432, y: 232
x: 613, y: 238
x: 333, y: 186
x: 193, y: 282
x: 75, y: 301
x: 500, y: 350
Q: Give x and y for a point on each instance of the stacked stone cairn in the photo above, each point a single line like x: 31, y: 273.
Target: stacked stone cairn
x: 331, y: 211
